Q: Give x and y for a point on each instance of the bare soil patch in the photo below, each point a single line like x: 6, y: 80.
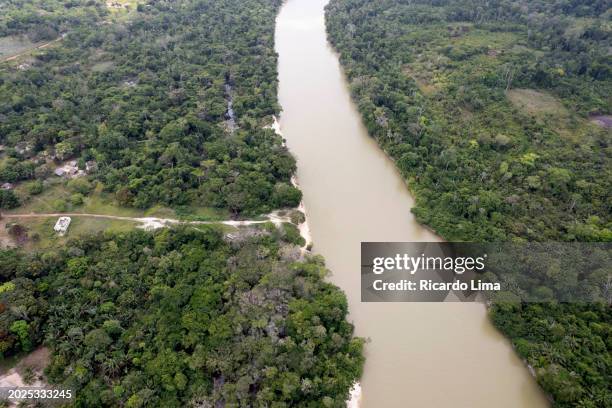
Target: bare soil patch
x: 36, y: 360
x: 28, y: 371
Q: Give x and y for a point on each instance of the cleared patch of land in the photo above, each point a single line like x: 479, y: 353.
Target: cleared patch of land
x: 27, y: 371
x: 120, y: 4
x: 13, y: 45
x: 536, y: 103
x: 40, y: 234
x: 36, y: 230
x: 423, y: 79
x: 57, y: 198
x: 25, y: 49
x: 103, y: 66
x: 122, y: 10
x: 475, y: 38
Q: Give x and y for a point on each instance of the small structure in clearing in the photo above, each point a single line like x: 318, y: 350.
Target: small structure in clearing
x: 61, y: 226
x: 7, y: 186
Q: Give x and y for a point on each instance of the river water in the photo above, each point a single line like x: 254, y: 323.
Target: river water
x: 420, y: 355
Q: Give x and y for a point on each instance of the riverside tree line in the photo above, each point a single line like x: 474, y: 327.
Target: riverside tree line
x: 485, y: 108
x: 182, y: 318
x: 146, y: 100
x: 171, y: 318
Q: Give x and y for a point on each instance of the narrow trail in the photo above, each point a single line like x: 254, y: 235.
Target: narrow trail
x: 38, y: 47
x: 155, y: 222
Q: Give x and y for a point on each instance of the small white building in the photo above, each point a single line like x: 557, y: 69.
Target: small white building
x: 61, y: 226
x: 7, y: 186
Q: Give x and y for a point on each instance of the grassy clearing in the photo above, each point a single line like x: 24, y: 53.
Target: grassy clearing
x: 57, y: 196
x: 42, y: 236
x: 423, y: 79
x: 13, y: 45
x: 484, y: 38
x: 101, y: 203
x: 43, y: 202
x: 122, y: 10
x: 86, y: 225
x: 549, y: 109
x: 225, y: 229
x: 536, y: 103
x: 119, y: 5
x: 27, y: 50
x: 103, y: 66
x: 519, y: 49
x: 195, y: 213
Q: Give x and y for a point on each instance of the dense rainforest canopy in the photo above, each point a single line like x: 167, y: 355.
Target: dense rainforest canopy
x: 182, y: 318
x: 171, y: 104
x: 42, y: 20
x: 487, y: 108
x: 162, y: 102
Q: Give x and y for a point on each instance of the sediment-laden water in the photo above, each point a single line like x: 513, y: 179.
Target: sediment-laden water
x: 420, y: 355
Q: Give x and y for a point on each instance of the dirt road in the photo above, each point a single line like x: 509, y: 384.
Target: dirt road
x: 38, y: 47
x: 154, y: 222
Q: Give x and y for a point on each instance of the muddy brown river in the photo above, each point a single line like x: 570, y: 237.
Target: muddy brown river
x: 419, y: 355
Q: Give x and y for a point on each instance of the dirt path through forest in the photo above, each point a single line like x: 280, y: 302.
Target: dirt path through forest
x: 38, y: 47
x: 155, y: 222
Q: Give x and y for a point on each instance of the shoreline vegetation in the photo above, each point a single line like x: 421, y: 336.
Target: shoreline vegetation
x: 179, y: 315
x: 191, y: 314
x: 354, y: 396
x: 485, y: 111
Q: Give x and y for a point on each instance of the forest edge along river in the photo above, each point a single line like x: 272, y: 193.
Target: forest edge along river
x: 419, y: 354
